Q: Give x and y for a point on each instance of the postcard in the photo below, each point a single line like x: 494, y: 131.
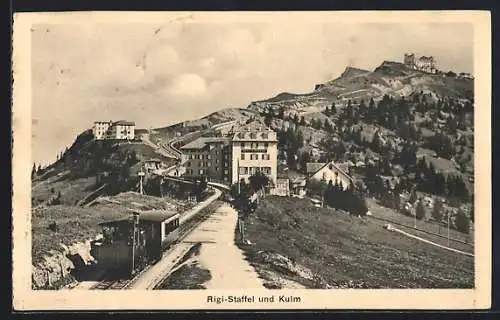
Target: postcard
x: 257, y: 161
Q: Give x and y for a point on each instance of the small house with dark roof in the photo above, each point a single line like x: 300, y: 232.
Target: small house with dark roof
x: 330, y: 171
x: 152, y: 164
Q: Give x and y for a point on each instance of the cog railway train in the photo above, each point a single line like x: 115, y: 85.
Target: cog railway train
x: 128, y: 245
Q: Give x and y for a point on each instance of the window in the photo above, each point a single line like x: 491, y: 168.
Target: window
x: 266, y: 144
x: 226, y: 172
x: 254, y: 145
x: 242, y: 145
x: 188, y: 164
x: 265, y: 135
x: 254, y: 157
x: 216, y: 153
x: 265, y: 157
x: 208, y: 157
x: 201, y: 171
x: 243, y: 170
x: 242, y: 156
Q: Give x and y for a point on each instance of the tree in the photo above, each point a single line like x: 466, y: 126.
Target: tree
x: 281, y: 112
x: 268, y: 119
x: 316, y: 187
x: 333, y: 109
x: 413, y: 196
x: 305, y: 157
x: 258, y: 181
x: 33, y: 171
x: 420, y: 210
x: 437, y: 210
x: 462, y: 222
x: 302, y: 121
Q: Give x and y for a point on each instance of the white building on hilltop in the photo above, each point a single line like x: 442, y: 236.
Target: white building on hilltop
x: 254, y: 149
x: 119, y: 130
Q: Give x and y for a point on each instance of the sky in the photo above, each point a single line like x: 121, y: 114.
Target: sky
x: 157, y: 75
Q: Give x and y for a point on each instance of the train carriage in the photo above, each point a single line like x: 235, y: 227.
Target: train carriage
x: 128, y: 245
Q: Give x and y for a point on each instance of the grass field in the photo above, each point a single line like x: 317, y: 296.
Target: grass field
x: 342, y: 249
x: 433, y: 227
x: 71, y: 192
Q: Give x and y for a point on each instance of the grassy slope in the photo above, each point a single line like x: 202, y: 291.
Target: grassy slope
x: 391, y: 215
x: 340, y: 248
x: 79, y: 224
x: 71, y: 193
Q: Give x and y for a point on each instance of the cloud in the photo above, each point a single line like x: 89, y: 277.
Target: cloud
x: 188, y: 84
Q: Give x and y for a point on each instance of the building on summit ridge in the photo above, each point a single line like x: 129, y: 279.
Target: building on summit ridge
x: 109, y: 130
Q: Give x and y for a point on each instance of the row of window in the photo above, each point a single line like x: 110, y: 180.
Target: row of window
x: 204, y: 171
x: 205, y: 164
x: 255, y: 156
x: 205, y: 156
x: 171, y: 226
x: 253, y: 135
x: 254, y: 145
x: 253, y: 170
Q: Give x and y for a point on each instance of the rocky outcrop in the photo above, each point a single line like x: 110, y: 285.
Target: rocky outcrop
x: 60, y: 268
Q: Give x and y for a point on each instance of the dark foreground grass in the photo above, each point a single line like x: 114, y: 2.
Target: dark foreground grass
x: 187, y: 277
x: 346, y: 251
x: 189, y: 274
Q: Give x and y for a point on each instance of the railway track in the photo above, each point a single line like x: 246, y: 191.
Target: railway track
x: 184, y: 230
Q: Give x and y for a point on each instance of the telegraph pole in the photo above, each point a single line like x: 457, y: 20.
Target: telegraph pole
x: 448, y: 229
x: 415, y: 216
x: 135, y: 221
x: 141, y: 174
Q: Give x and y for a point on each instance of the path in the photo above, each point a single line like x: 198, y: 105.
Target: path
x: 220, y: 255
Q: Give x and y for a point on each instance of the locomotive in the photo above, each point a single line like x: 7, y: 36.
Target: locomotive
x: 128, y: 245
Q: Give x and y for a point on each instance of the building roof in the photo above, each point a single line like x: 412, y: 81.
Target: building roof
x: 124, y: 123
x: 149, y: 216
x: 254, y: 131
x: 156, y: 215
x: 342, y: 167
x: 313, y: 167
x: 202, y: 142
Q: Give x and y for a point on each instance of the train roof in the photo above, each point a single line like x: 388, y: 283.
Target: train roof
x: 149, y: 216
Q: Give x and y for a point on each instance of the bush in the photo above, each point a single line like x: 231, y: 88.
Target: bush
x: 315, y: 187
x: 420, y: 210
x: 462, y: 222
x: 437, y: 210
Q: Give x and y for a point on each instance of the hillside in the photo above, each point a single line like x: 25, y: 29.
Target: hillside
x: 292, y: 241
x: 87, y: 165
x: 392, y: 78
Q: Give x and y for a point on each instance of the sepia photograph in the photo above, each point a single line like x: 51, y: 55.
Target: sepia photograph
x: 252, y: 160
